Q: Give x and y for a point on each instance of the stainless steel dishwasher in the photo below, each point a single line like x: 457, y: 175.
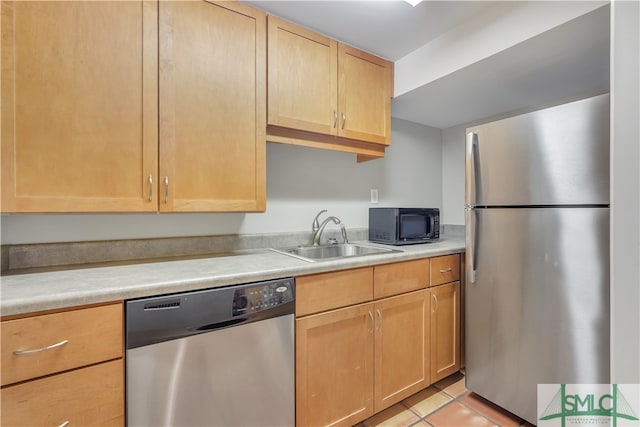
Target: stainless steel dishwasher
x: 217, y: 357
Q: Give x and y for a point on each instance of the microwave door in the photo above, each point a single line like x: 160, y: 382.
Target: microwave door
x: 413, y: 226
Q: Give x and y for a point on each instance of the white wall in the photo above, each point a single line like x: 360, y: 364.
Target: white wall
x: 300, y: 182
x: 625, y: 192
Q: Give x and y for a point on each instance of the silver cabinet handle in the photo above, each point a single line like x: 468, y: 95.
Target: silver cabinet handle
x: 372, y: 321
x: 64, y: 424
x: 344, y: 120
x: 379, y: 317
x: 435, y: 298
x: 335, y: 119
x: 38, y: 350
x: 166, y: 189
x: 446, y: 270
x: 150, y: 187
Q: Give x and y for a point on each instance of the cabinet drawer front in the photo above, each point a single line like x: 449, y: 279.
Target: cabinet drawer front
x: 85, y: 397
x: 327, y: 291
x: 399, y: 278
x: 92, y: 334
x: 445, y: 269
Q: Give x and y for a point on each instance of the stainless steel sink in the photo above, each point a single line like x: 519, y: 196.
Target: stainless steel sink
x: 328, y: 252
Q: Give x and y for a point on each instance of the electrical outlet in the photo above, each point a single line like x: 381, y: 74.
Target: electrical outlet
x: 374, y: 195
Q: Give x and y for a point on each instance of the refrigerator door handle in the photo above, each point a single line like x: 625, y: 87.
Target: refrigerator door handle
x: 472, y: 169
x: 471, y: 242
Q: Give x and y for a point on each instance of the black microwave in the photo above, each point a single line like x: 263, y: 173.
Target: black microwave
x: 404, y: 226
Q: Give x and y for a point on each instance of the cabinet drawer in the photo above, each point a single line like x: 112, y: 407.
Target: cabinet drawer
x: 92, y: 335
x: 326, y: 291
x: 399, y: 278
x: 85, y: 397
x: 445, y: 269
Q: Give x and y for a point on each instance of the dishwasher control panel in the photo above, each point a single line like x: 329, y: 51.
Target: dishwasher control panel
x: 262, y: 296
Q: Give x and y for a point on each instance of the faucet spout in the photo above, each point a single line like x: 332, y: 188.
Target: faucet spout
x: 315, y: 225
x: 317, y: 233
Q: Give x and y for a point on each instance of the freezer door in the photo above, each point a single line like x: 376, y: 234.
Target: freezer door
x: 537, y: 302
x: 556, y: 156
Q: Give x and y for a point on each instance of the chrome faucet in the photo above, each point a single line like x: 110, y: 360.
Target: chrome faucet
x: 318, y: 228
x: 316, y: 225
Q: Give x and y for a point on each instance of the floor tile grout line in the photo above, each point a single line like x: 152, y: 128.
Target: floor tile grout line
x: 451, y: 399
x: 481, y: 414
x: 410, y: 410
x: 437, y: 410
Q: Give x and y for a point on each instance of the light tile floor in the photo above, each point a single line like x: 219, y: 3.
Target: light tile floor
x: 445, y: 404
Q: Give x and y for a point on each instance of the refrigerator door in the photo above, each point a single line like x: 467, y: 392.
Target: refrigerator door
x: 537, y: 304
x: 556, y: 156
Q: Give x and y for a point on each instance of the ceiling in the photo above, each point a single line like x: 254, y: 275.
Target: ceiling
x: 568, y: 62
x: 387, y: 28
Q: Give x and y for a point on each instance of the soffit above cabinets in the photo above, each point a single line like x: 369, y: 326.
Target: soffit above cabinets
x: 568, y: 62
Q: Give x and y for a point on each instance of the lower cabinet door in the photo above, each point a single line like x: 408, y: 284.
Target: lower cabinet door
x: 92, y: 396
x: 401, y: 347
x: 334, y: 367
x: 445, y: 330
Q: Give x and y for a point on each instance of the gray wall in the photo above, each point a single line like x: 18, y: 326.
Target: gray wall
x: 453, y: 141
x: 300, y: 182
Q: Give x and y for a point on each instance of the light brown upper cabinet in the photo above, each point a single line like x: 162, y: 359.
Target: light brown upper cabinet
x: 303, y: 79
x: 79, y: 106
x: 81, y: 110
x: 324, y: 94
x: 212, y: 107
x: 364, y: 96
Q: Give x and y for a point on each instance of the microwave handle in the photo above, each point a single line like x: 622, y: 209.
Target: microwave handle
x: 397, y: 234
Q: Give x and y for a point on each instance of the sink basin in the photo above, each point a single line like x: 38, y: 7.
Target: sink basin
x: 327, y: 252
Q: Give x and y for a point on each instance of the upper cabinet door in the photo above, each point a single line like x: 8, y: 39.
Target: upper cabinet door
x: 364, y: 90
x: 79, y: 106
x: 302, y: 78
x: 212, y: 107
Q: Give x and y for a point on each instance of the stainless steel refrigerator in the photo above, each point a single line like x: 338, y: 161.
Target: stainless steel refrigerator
x: 537, y: 263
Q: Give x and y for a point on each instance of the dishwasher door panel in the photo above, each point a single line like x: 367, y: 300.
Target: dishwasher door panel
x: 218, y: 378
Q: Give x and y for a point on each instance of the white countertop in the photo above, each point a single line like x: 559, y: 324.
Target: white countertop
x: 27, y: 293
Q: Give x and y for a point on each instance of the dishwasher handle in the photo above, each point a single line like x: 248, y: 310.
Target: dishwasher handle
x: 220, y: 325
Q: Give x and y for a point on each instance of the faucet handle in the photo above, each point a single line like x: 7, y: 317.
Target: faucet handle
x: 316, y: 225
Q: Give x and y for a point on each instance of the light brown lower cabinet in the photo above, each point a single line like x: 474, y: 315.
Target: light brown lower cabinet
x: 356, y: 361
x: 401, y: 347
x: 334, y: 367
x: 368, y: 338
x: 63, y: 368
x: 92, y: 396
x: 445, y: 330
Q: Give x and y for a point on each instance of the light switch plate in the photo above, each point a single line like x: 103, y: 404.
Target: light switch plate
x: 374, y: 195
